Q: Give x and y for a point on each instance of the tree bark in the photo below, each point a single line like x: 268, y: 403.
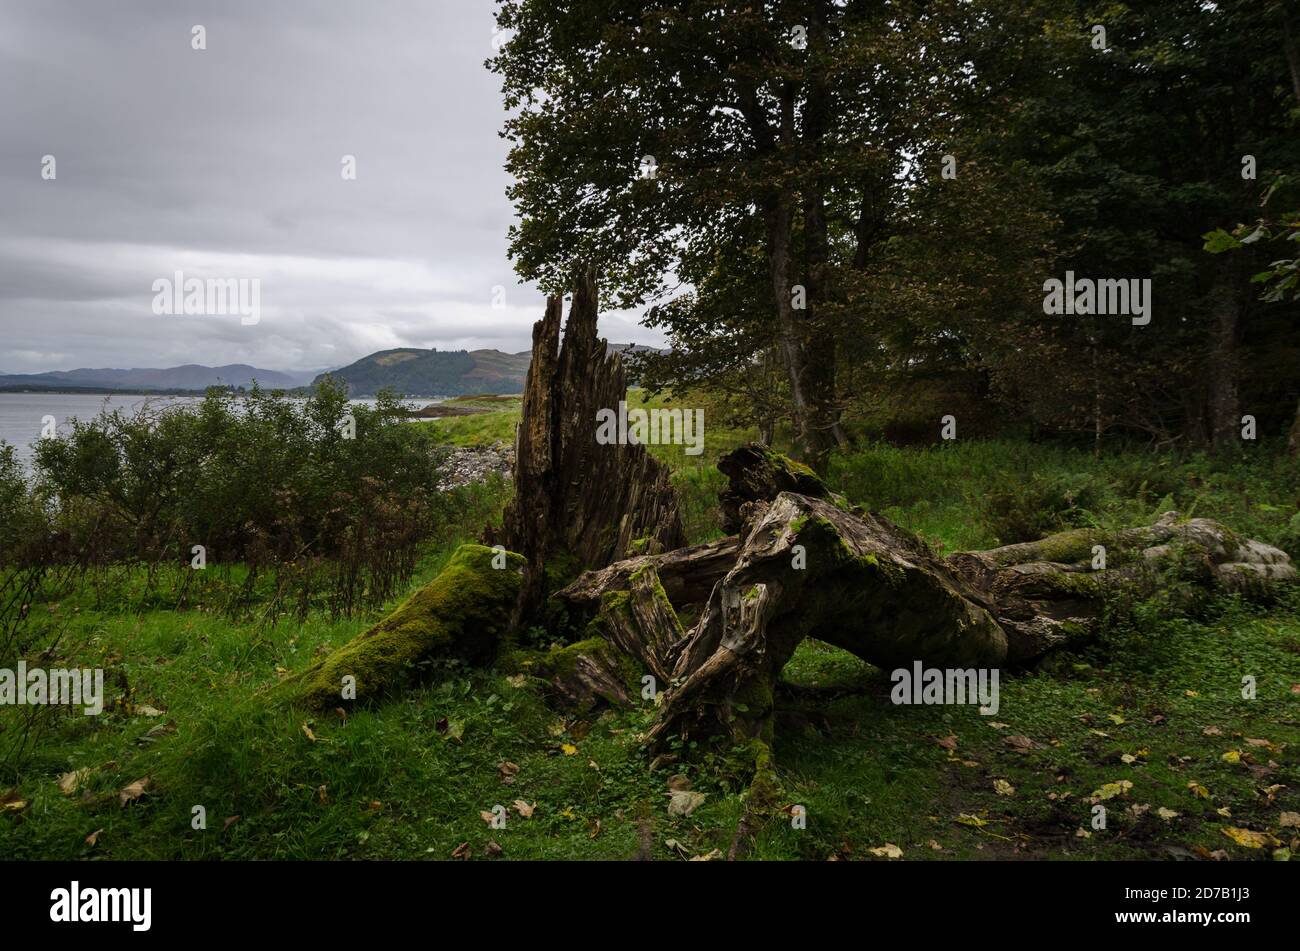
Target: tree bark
x: 578, y: 502
x: 1225, y: 409
x: 804, y: 567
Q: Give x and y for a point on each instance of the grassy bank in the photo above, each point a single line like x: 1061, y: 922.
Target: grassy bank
x: 1149, y: 720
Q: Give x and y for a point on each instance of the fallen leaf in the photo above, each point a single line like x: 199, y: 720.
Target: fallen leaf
x: 568, y: 749
x: 71, y: 782
x: 683, y: 802
x: 1249, y: 838
x: 523, y: 808
x: 1021, y: 744
x: 1212, y: 731
x: 1289, y: 820
x: 999, y: 726
x: 306, y: 731
x: 93, y: 838
x: 1225, y: 812
x: 679, y: 781
x: 455, y: 730
x: 708, y: 856
x: 1111, y: 790
x: 1199, y: 790
x: 148, y: 711
x: 230, y: 821
x: 1232, y: 756
x: 936, y: 846
x: 461, y: 851
x: 506, y: 771
x: 1167, y: 814
x: 517, y: 681
x: 322, y: 795
x: 948, y: 742
x: 487, y: 816
x: 133, y: 792
x: 888, y: 850
x: 969, y: 820
x: 1003, y: 788
x: 595, y: 828
x: 1128, y: 758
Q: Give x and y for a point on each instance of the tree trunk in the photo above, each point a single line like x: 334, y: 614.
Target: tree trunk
x: 1225, y: 410
x: 1293, y: 441
x: 804, y: 567
x: 1292, y: 55
x: 578, y: 503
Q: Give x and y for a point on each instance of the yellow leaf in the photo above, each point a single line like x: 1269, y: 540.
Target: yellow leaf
x: 969, y: 820
x: 1249, y: 838
x: 569, y: 749
x: 1003, y: 788
x: 1167, y: 814
x: 1111, y: 790
x: 888, y: 850
x: 1199, y: 790
x: 1232, y: 756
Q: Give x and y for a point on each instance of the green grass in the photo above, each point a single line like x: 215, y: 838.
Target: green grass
x: 409, y: 779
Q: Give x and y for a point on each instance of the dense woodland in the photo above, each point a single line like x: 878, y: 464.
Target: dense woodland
x: 854, y: 206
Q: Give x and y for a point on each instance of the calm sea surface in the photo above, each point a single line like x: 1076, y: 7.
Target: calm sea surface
x: 21, y: 413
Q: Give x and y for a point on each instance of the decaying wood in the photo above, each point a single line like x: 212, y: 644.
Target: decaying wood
x: 574, y: 498
x: 804, y: 567
x: 687, y: 574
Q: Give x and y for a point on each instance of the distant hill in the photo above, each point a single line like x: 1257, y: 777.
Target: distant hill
x: 191, y: 376
x: 414, y: 372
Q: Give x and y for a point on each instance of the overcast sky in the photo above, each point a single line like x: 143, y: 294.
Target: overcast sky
x: 226, y: 163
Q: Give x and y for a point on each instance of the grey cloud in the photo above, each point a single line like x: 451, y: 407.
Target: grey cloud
x: 227, y: 162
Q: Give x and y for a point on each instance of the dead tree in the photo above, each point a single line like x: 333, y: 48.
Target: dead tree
x: 804, y: 566
x: 579, y: 504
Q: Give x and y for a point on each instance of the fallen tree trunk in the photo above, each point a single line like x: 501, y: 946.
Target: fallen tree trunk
x: 805, y: 567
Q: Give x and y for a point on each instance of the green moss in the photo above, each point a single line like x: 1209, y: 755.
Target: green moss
x: 560, y: 568
x: 1068, y: 547
x: 461, y: 615
x: 559, y: 664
